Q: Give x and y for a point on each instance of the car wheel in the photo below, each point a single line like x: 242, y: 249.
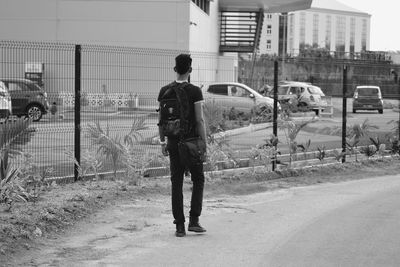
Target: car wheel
x: 35, y: 112
x: 354, y: 111
x: 380, y: 111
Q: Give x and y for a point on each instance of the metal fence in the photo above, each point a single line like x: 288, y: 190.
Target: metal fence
x: 115, y: 86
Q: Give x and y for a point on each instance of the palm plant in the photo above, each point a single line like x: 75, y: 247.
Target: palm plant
x: 219, y: 150
x: 354, y: 134
x: 291, y: 130
x: 114, y: 147
x: 11, y: 188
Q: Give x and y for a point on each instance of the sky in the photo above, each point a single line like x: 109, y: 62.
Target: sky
x: 385, y: 22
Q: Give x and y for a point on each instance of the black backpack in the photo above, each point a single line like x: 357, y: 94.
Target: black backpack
x: 174, y: 111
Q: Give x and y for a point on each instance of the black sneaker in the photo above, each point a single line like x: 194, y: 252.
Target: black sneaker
x: 196, y: 227
x: 180, y: 230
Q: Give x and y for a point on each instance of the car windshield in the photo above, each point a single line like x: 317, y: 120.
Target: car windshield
x: 367, y: 91
x: 315, y: 90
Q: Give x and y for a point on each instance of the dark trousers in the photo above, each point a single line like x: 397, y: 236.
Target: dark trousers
x: 177, y: 174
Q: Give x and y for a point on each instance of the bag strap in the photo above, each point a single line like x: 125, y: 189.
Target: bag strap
x: 170, y: 87
x: 184, y: 110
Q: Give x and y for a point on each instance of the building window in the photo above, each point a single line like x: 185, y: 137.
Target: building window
x: 269, y: 16
x: 328, y: 32
x: 302, y: 29
x: 364, y: 35
x: 340, y: 33
x: 269, y: 45
x: 352, y: 34
x: 283, y: 28
x: 269, y: 29
x: 203, y: 4
x: 291, y: 25
x: 315, y: 30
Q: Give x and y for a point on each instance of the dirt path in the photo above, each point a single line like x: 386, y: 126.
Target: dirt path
x: 242, y: 230
x: 137, y: 227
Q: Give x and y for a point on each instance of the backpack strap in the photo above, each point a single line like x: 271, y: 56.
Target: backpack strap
x: 183, y: 101
x: 170, y: 87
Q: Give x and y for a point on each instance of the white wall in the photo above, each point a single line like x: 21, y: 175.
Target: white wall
x: 160, y: 24
x: 274, y: 36
x: 204, y: 28
x: 135, y: 23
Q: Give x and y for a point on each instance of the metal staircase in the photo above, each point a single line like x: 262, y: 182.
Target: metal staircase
x: 240, y: 31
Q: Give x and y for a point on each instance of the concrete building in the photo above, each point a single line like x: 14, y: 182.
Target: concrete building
x: 327, y: 24
x: 129, y: 45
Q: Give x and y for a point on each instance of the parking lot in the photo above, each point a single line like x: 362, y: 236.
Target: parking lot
x: 54, y: 135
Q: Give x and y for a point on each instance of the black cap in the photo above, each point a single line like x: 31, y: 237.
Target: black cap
x: 183, y: 62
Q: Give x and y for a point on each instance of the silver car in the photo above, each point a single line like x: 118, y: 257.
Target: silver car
x: 307, y: 96
x: 236, y: 95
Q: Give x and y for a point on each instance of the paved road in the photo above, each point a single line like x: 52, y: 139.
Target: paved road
x: 347, y: 224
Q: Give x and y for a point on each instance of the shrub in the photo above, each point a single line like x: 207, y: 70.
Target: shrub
x: 12, y: 129
x: 215, y: 120
x: 11, y: 188
x: 260, y: 114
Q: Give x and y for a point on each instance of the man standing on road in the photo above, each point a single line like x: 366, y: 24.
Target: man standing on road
x: 195, y: 120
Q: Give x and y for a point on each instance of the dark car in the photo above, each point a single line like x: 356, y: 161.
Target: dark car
x: 27, y: 98
x: 367, y: 97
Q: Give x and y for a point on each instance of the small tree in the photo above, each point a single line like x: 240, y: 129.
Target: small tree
x: 11, y: 188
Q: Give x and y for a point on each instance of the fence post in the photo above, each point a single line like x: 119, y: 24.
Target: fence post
x: 344, y: 113
x: 398, y: 125
x: 77, y: 143
x: 275, y: 118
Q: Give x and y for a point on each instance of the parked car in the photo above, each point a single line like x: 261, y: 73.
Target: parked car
x: 306, y: 95
x: 367, y: 97
x: 27, y: 98
x: 237, y: 95
x: 5, y: 102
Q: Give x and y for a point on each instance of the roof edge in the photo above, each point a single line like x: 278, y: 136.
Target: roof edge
x: 340, y: 11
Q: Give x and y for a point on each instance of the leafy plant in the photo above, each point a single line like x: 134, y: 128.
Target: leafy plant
x: 354, y: 134
x: 261, y: 113
x: 263, y: 154
x: 369, y: 150
x: 115, y: 147
x: 291, y: 130
x: 339, y: 154
x: 393, y: 137
x: 395, y: 145
x: 90, y: 161
x: 321, y: 153
x: 214, y: 118
x: 135, y: 165
x: 305, y: 147
x: 11, y: 188
x: 219, y: 150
